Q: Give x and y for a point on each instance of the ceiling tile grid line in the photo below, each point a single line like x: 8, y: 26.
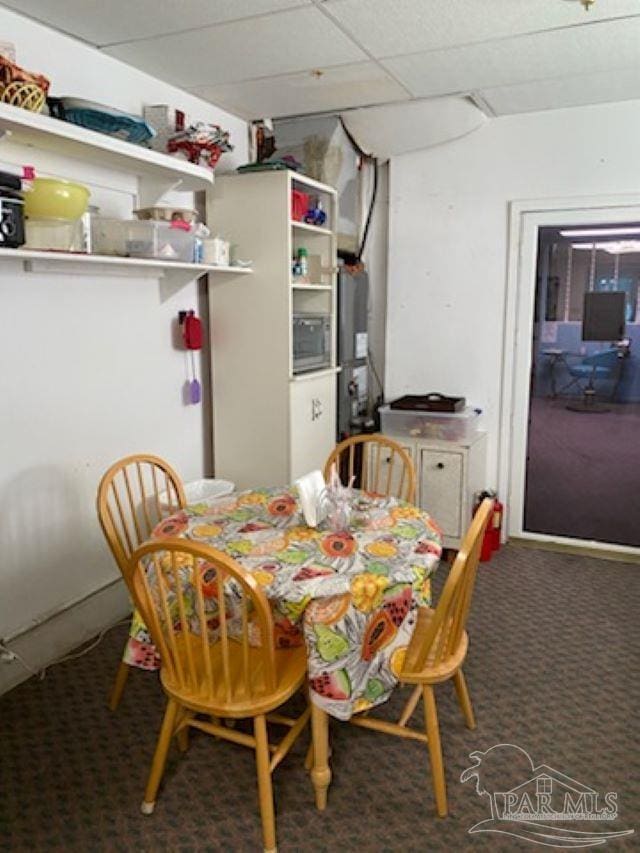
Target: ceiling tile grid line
x: 339, y: 88
x: 123, y: 21
x: 300, y: 4
x: 323, y: 7
x: 517, y: 61
x: 295, y: 40
x: 415, y: 26
x: 566, y: 30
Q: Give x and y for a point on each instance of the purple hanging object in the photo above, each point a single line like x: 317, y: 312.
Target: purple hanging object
x: 195, y: 391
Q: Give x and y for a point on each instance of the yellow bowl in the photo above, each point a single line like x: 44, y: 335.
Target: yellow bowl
x: 54, y: 199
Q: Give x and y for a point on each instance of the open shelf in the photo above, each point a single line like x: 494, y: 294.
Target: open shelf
x: 304, y: 226
x: 71, y: 140
x: 300, y: 286
x: 41, y: 261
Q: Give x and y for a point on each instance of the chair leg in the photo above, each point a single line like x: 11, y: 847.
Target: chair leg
x: 118, y: 685
x: 435, y: 750
x: 182, y: 737
x: 160, y: 757
x: 410, y: 707
x: 265, y: 791
x: 464, y: 699
x: 321, y: 772
x: 308, y: 760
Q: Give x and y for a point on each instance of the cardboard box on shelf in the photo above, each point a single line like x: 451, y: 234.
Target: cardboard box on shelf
x: 166, y: 121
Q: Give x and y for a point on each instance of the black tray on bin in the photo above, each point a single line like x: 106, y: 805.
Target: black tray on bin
x: 428, y: 403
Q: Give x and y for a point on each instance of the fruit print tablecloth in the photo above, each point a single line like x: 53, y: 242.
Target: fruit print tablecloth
x: 351, y: 596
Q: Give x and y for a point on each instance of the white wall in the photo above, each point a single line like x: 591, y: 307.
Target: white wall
x: 89, y: 374
x: 449, y: 209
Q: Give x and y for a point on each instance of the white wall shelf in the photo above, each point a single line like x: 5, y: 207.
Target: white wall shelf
x: 157, y: 172
x: 37, y: 261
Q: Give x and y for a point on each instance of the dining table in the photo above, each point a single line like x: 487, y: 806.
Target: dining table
x: 350, y: 595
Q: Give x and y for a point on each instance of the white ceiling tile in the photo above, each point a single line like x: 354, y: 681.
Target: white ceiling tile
x: 597, y: 88
x: 102, y: 22
x: 408, y: 26
x: 293, y: 94
x: 243, y: 50
x: 521, y: 59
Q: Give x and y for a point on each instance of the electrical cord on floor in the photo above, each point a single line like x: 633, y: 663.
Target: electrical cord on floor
x: 9, y: 655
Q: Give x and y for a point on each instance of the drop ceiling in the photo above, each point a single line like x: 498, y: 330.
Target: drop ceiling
x: 278, y: 58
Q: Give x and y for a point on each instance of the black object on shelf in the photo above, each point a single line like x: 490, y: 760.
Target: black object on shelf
x: 11, y: 219
x: 433, y: 402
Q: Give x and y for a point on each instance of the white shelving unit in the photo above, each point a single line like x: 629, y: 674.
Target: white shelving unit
x: 271, y: 425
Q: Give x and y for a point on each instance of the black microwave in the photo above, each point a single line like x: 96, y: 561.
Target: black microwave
x: 311, y: 340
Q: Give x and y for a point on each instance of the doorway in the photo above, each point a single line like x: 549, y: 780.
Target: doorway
x: 574, y: 410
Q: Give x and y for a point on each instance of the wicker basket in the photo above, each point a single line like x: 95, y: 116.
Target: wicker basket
x: 20, y: 88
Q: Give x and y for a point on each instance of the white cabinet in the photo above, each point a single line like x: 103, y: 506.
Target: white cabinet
x: 449, y: 475
x: 379, y: 459
x: 441, y: 487
x: 270, y: 424
x: 312, y: 423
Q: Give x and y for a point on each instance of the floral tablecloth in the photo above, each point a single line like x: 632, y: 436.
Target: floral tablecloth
x: 351, y: 596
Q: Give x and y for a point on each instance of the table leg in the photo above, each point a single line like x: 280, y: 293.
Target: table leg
x: 321, y: 772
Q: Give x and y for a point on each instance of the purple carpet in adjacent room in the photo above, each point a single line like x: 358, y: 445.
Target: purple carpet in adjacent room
x: 583, y: 473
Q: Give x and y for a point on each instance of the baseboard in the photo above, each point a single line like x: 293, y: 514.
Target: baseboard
x: 579, y: 550
x: 65, y: 631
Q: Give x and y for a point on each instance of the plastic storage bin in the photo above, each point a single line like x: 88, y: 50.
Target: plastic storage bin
x: 150, y: 239
x: 141, y: 239
x: 441, y: 426
x: 201, y: 492
x: 107, y: 236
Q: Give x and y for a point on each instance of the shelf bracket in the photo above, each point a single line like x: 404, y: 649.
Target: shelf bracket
x: 152, y: 189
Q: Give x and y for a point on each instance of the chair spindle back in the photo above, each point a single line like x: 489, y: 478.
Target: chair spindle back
x: 129, y: 505
x: 210, y: 620
x: 383, y: 466
x: 443, y: 636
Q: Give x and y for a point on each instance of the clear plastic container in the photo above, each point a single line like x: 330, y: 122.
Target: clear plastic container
x: 441, y: 426
x: 141, y: 239
x: 107, y: 236
x: 54, y: 235
x: 201, y: 492
x: 151, y: 239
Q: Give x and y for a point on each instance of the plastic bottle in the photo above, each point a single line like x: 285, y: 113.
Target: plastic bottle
x: 303, y: 262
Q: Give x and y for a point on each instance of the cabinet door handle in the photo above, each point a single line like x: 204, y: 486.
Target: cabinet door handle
x: 440, y: 465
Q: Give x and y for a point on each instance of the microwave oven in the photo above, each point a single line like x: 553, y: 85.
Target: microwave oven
x: 311, y: 341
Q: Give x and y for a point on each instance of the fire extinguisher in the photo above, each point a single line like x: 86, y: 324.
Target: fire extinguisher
x: 491, y: 540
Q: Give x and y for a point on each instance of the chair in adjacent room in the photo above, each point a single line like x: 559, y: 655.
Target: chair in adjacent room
x: 602, y: 366
x: 436, y: 652
x: 213, y: 625
x: 134, y: 495
x: 377, y: 462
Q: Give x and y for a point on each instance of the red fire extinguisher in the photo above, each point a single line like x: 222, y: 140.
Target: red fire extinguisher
x: 491, y: 540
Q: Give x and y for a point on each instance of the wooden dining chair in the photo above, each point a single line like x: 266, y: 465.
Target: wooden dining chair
x: 129, y: 507
x: 379, y: 464
x: 209, y: 669
x: 436, y: 652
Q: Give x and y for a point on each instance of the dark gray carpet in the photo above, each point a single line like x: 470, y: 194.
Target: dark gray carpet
x: 583, y: 473
x: 553, y: 667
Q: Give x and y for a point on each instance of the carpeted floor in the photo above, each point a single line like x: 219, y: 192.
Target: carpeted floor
x: 583, y: 472
x: 553, y: 667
